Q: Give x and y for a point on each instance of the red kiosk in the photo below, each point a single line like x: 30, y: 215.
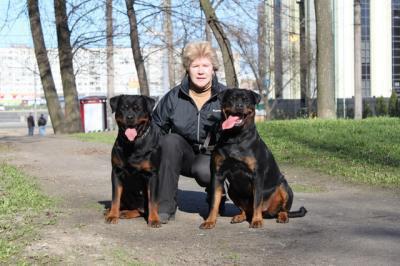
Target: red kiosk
x: 93, y: 113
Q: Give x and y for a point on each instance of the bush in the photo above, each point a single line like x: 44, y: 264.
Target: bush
x: 367, y: 112
x: 393, y: 105
x: 381, y: 107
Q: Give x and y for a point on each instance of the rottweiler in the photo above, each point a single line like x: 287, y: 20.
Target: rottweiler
x: 134, y: 159
x: 255, y: 184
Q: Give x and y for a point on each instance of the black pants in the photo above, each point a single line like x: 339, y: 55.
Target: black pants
x: 178, y: 158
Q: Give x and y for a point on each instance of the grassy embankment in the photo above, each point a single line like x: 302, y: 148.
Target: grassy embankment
x: 363, y: 152
x: 24, y: 209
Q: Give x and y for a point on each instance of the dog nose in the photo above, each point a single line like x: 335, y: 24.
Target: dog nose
x: 129, y: 117
x: 239, y: 105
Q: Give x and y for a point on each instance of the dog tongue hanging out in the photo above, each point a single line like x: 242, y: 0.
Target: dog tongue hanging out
x: 256, y: 185
x: 134, y: 159
x: 131, y: 134
x: 231, y: 121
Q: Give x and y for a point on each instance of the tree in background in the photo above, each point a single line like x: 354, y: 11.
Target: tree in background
x: 278, y: 68
x: 394, y: 105
x: 46, y: 76
x: 325, y: 60
x: 110, y: 60
x: 136, y: 50
x: 72, y: 120
x: 357, y: 61
x: 223, y: 41
x: 169, y: 41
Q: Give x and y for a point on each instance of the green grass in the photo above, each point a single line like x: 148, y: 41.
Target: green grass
x: 102, y: 137
x: 23, y: 210
x: 365, y: 151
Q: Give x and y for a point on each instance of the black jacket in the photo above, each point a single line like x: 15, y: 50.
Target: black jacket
x: 176, y: 112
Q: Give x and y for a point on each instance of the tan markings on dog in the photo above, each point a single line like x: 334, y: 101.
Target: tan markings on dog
x: 276, y: 201
x: 113, y: 214
x: 153, y: 219
x: 129, y: 214
x: 117, y: 161
x: 143, y: 165
x: 250, y: 114
x: 218, y: 160
x: 282, y: 213
x: 251, y: 163
x: 241, y: 217
x: 119, y: 119
x: 257, y: 219
x: 212, y: 217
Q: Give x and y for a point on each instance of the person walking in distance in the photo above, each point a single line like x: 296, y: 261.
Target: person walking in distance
x: 42, y: 125
x: 31, y: 124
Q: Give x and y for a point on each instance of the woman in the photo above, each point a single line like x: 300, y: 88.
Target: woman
x: 188, y: 115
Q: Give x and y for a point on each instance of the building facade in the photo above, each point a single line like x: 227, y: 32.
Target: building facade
x: 20, y: 81
x: 379, y: 47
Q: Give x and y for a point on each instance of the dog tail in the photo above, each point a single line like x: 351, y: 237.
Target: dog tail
x: 300, y: 213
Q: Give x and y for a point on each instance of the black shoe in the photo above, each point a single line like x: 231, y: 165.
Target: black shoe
x: 166, y: 217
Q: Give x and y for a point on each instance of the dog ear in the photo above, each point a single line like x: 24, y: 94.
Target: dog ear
x: 255, y: 96
x: 114, y: 102
x: 221, y: 95
x: 150, y: 102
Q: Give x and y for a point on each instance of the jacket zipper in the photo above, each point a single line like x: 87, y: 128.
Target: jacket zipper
x: 198, y: 126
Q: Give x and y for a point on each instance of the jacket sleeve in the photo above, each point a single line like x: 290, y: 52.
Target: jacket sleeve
x: 162, y: 113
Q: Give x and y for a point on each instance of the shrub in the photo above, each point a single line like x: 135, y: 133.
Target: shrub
x: 367, y: 112
x: 394, y: 105
x: 381, y: 107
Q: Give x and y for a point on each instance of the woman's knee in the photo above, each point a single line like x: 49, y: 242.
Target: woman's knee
x: 171, y: 141
x: 201, y: 171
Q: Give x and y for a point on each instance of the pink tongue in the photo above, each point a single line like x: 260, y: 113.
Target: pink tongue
x: 230, y: 122
x: 131, y: 134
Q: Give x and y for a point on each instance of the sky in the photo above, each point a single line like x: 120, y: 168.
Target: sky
x: 14, y: 24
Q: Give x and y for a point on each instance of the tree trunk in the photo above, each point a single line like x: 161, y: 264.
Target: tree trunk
x: 357, y: 61
x: 223, y: 42
x: 303, y: 57
x: 169, y: 42
x: 46, y: 76
x: 325, y: 60
x: 262, y: 83
x: 110, y: 60
x: 278, y: 68
x: 73, y: 122
x: 137, y: 54
x: 310, y: 63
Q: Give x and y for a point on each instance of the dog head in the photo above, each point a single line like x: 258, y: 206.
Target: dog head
x: 238, y: 108
x: 133, y: 114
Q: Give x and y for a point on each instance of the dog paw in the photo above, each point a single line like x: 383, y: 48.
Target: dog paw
x: 207, y: 225
x: 154, y: 224
x: 256, y: 224
x: 238, y: 219
x: 282, y: 218
x: 111, y: 219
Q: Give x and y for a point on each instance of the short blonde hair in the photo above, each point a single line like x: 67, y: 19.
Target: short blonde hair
x: 199, y: 49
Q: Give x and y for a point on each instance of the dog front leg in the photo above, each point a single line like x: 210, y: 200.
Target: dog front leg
x: 257, y: 219
x: 153, y: 218
x: 210, y: 222
x: 113, y: 214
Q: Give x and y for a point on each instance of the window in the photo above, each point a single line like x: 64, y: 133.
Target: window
x: 396, y: 43
x: 365, y: 49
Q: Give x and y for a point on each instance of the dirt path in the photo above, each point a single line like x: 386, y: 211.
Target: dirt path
x: 344, y: 226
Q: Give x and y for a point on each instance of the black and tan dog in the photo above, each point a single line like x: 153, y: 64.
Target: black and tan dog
x: 134, y: 160
x: 255, y: 183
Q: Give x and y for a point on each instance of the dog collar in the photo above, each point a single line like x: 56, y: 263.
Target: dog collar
x: 145, y: 133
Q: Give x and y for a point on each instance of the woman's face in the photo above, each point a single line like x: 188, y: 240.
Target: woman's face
x: 201, y: 72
